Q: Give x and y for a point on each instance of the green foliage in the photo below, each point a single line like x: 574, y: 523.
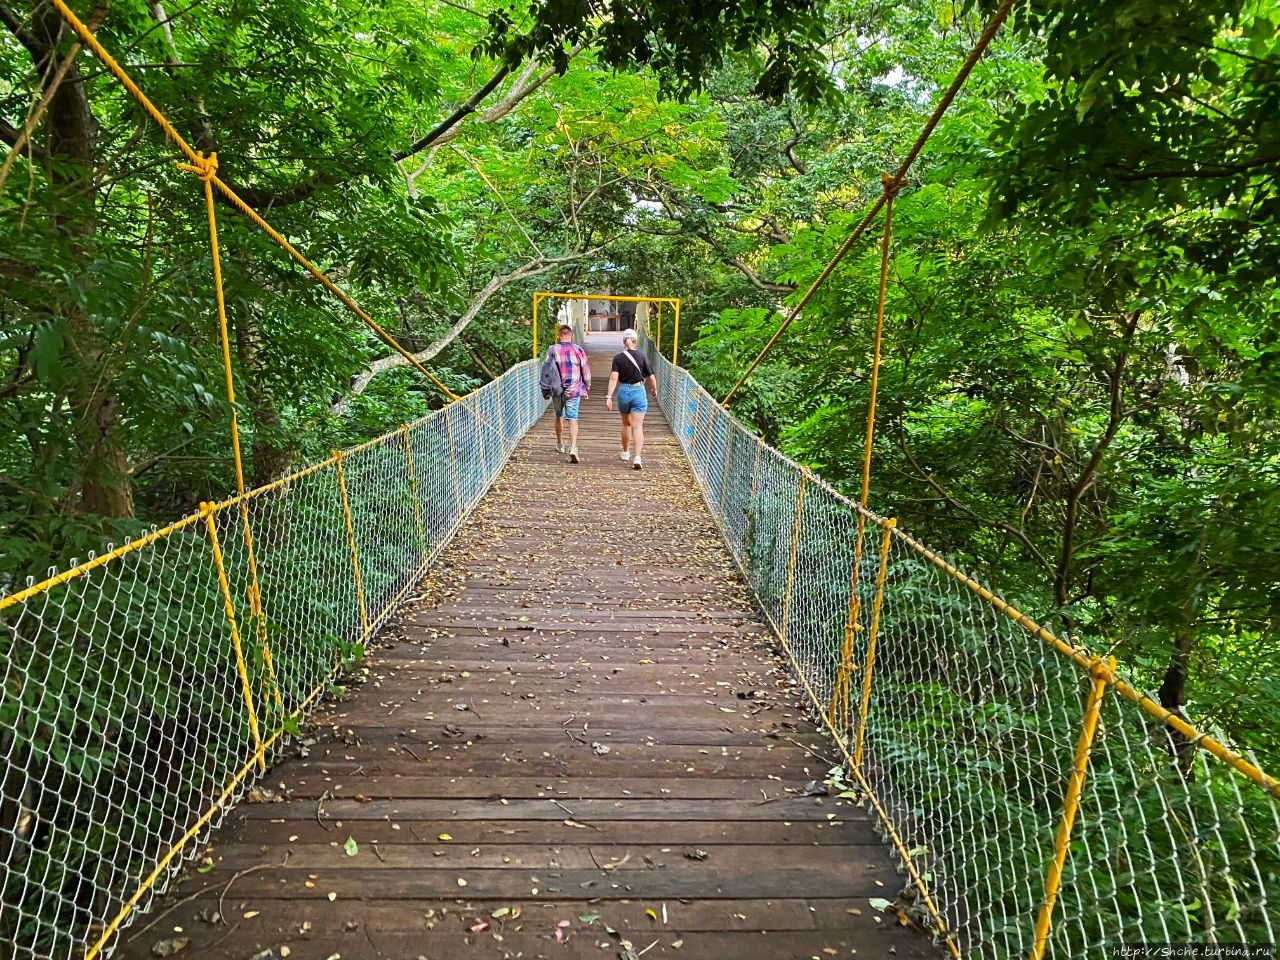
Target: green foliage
x: 683, y: 42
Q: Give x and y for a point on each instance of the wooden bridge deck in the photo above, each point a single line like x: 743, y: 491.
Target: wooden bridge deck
x: 576, y: 741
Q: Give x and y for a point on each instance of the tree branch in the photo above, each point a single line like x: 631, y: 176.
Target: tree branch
x: 1207, y: 172
x: 454, y: 118
x: 380, y: 366
x: 1115, y: 416
x: 1013, y: 531
x: 448, y: 130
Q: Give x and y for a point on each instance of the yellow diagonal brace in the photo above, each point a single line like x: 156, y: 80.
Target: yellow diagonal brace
x: 886, y: 537
x: 229, y: 608
x: 1071, y: 803
x: 351, y: 541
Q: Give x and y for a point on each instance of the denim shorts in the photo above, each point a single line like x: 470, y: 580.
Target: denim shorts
x: 565, y: 408
x: 631, y: 398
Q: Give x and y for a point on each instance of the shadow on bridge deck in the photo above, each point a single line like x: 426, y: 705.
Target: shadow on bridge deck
x: 577, y: 725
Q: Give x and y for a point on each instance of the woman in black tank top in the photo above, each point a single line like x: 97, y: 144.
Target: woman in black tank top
x: 627, y: 379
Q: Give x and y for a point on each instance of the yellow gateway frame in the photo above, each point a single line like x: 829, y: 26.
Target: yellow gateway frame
x: 657, y: 334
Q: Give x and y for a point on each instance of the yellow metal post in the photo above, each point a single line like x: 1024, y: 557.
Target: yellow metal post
x: 537, y: 299
x: 791, y: 559
x: 885, y: 537
x: 1101, y: 671
x: 206, y: 511
x: 838, y: 708
x: 351, y: 540
x: 413, y: 489
x: 657, y: 323
x: 675, y: 338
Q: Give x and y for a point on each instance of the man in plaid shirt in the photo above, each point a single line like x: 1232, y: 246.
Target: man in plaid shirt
x: 575, y: 374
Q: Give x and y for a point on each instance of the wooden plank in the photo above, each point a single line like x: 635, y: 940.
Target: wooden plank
x: 733, y: 881
x: 453, y: 785
x: 609, y: 860
x: 506, y: 831
x: 584, y: 810
x: 447, y: 935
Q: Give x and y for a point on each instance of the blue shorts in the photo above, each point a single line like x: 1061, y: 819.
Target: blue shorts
x: 566, y: 409
x: 631, y: 398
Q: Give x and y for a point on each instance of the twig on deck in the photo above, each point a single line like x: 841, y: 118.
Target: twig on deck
x: 245, y: 872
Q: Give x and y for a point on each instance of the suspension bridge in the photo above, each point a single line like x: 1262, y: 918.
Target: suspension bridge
x: 444, y: 693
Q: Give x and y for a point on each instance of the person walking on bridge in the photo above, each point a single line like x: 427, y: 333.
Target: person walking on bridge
x: 628, y: 376
x: 575, y: 378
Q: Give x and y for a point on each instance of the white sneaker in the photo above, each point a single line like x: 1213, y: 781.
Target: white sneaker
x: 561, y: 448
x: 635, y: 464
x: 624, y: 456
x: 573, y: 454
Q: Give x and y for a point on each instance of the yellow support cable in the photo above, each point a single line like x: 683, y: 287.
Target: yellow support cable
x: 229, y: 608
x: 351, y: 542
x: 198, y: 161
x: 840, y: 694
x: 899, y: 177
x: 205, y: 170
x: 869, y: 665
x: 1071, y: 802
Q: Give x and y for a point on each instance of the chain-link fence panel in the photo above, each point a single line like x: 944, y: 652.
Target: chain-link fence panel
x: 144, y: 690
x: 1039, y: 804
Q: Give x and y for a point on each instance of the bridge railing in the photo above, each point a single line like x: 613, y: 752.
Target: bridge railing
x: 142, y: 693
x: 1039, y: 804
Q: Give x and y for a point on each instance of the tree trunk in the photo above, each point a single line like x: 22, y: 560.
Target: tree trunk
x: 271, y: 457
x: 1173, y: 689
x: 71, y: 133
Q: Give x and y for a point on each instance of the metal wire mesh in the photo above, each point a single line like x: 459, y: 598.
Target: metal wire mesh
x: 971, y: 725
x: 129, y: 721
